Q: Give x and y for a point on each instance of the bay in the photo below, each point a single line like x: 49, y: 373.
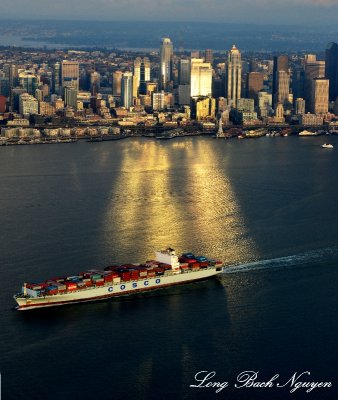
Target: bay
x: 267, y: 207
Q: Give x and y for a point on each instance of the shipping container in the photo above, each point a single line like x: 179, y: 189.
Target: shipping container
x: 117, y: 280
x: 52, y: 292
x: 99, y: 283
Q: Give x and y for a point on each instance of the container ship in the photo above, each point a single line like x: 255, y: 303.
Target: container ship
x: 118, y: 280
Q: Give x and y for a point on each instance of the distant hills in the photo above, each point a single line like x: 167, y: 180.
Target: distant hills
x: 185, y: 35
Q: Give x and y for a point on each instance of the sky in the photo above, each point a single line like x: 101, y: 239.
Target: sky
x: 281, y: 12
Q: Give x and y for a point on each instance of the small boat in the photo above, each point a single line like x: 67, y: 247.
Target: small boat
x: 327, y: 146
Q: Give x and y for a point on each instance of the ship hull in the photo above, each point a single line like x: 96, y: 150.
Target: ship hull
x: 114, y: 290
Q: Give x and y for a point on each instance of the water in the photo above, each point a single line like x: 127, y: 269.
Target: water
x: 267, y: 207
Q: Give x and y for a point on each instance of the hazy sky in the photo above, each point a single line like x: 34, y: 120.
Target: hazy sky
x: 245, y: 11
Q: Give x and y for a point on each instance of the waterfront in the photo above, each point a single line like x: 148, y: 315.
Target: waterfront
x: 67, y: 208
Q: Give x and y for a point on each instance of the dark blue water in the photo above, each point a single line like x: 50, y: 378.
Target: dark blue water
x: 268, y: 207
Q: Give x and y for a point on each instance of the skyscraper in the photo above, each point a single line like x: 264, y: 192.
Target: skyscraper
x: 142, y: 73
x: 233, y: 76
x: 331, y: 69
x: 117, y: 79
x: 166, y: 64
x: 56, y: 78
x: 95, y: 79
x: 200, y: 78
x: 280, y: 80
x: 184, y: 72
x: 254, y: 84
x: 313, y: 69
x: 70, y: 74
x: 209, y: 56
x: 127, y: 90
x: 320, y: 96
x: 28, y: 81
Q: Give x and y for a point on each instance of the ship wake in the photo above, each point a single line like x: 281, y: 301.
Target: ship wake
x: 327, y: 255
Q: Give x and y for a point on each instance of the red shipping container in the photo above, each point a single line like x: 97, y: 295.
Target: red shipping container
x: 89, y: 283
x: 54, y: 291
x: 151, y: 274
x: 99, y: 283
x: 108, y: 278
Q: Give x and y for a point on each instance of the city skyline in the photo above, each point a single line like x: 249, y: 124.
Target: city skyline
x: 299, y: 12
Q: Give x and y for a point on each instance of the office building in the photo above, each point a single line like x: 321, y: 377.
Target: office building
x: 28, y: 104
x: 117, y: 80
x: 200, y: 78
x: 331, y: 69
x: 280, y: 80
x: 70, y: 74
x: 233, y: 76
x: 71, y: 97
x: 28, y: 81
x: 320, y: 96
x: 184, y: 72
x: 313, y: 69
x: 209, y: 58
x: 127, y: 90
x: 203, y: 108
x: 56, y: 78
x: 95, y: 81
x: 300, y: 106
x: 166, y: 62
x: 142, y: 73
x: 255, y: 83
x: 246, y: 105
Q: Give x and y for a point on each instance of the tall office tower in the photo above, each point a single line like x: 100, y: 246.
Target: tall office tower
x: 56, y: 78
x: 200, y: 78
x: 29, y: 82
x: 300, y: 106
x: 71, y: 97
x: 283, y: 87
x: 127, y: 90
x: 209, y: 58
x: 95, y: 80
x: 184, y: 95
x: 298, y: 82
x: 331, y: 69
x: 233, y: 76
x: 142, y: 73
x: 11, y: 72
x: 166, y: 62
x: 70, y: 74
x: 280, y: 64
x: 4, y: 87
x: 254, y: 84
x: 117, y: 79
x: 320, y: 96
x: 313, y: 69
x: 184, y: 72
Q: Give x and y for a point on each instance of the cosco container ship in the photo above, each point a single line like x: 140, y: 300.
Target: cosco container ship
x: 166, y: 270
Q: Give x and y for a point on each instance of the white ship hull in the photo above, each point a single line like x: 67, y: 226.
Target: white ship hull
x: 114, y: 290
